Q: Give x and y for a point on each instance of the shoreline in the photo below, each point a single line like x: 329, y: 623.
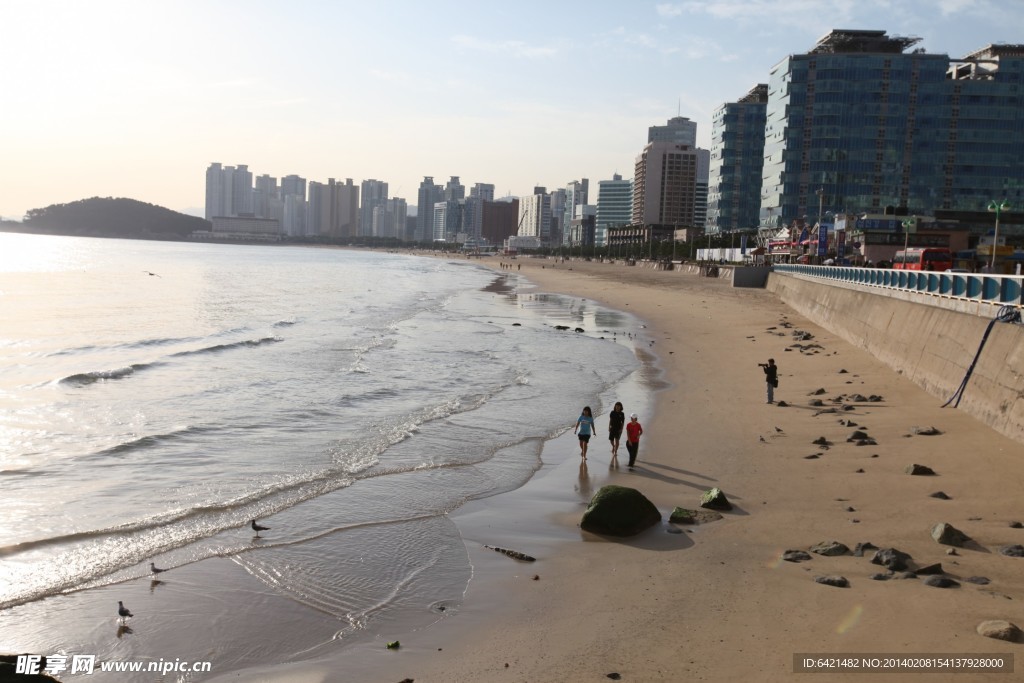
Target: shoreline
x: 722, y: 605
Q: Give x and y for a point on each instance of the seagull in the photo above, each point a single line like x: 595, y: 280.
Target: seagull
x: 156, y: 570
x: 149, y: 273
x: 123, y: 612
x: 258, y: 528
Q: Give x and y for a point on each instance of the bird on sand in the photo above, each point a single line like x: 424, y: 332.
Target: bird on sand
x: 149, y: 273
x: 258, y: 528
x: 156, y: 570
x: 122, y: 611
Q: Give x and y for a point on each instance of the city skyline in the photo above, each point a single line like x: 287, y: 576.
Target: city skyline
x: 116, y: 99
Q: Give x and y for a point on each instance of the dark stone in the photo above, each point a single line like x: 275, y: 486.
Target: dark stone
x: 931, y: 569
x: 881, y: 577
x: 907, y: 575
x: 684, y: 516
x: 1016, y: 525
x: 979, y: 580
x: 782, y: 404
x: 579, y: 329
x: 795, y: 556
x: 864, y: 547
x: 816, y: 402
x: 817, y: 392
x: 867, y: 442
x: 941, y: 582
x: 875, y: 398
x: 858, y: 434
x: 619, y: 511
x: 1012, y: 550
x: 714, y: 499
x: 614, y: 676
x: 857, y: 398
x: 919, y: 470
x: 842, y: 371
x: 821, y: 441
x: 947, y: 534
x: 849, y: 407
x: 926, y: 431
x: 561, y: 327
x: 1001, y: 630
x: 940, y: 495
x: 829, y: 548
x: 893, y: 559
x: 812, y: 456
x: 837, y: 581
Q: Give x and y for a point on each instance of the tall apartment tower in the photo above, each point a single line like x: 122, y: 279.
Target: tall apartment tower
x: 857, y: 124
x: 665, y: 185
x: 700, y: 194
x: 228, y: 191
x: 737, y: 158
x: 333, y: 209
x: 576, y: 195
x: 428, y: 195
x: 535, y: 215
x: 293, y: 196
x: 473, y: 215
x: 373, y: 194
x: 614, y: 206
x: 679, y: 130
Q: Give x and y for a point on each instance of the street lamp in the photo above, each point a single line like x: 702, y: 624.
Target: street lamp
x: 998, y: 208
x: 907, y: 225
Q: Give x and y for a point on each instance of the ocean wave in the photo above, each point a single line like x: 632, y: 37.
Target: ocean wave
x: 148, y: 441
x: 217, y: 348
x: 86, y: 378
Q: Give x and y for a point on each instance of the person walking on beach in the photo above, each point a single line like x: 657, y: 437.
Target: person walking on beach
x: 633, y: 432
x: 771, y: 378
x: 584, y: 428
x: 616, y: 421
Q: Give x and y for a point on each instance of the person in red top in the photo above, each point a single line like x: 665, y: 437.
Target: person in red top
x: 633, y: 432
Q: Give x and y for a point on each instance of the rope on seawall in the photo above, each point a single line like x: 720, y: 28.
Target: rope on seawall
x: 1006, y: 314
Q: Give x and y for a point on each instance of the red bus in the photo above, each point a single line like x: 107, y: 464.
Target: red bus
x: 923, y: 258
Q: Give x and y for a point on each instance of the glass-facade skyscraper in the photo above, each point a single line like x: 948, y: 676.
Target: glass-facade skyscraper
x: 858, y: 124
x: 737, y: 158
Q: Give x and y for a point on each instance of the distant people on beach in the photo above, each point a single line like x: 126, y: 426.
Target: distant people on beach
x: 584, y: 429
x: 633, y: 432
x: 616, y: 421
x: 771, y: 378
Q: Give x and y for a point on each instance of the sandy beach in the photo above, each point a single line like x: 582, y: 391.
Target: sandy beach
x: 717, y: 603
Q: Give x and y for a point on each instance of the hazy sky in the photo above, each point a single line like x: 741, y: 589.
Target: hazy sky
x: 135, y: 99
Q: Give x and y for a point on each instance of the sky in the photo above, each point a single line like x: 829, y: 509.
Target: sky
x: 136, y: 99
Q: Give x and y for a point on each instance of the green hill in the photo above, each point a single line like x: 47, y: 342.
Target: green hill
x: 110, y: 217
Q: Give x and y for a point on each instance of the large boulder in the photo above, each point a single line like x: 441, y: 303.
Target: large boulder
x: 619, y: 511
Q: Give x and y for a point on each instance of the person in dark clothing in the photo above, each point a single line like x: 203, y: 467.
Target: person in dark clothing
x: 616, y: 420
x: 771, y: 378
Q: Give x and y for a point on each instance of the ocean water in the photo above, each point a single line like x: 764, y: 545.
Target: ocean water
x: 157, y: 397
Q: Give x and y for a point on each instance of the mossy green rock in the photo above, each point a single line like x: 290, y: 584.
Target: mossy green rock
x: 683, y: 516
x: 619, y: 511
x: 714, y: 499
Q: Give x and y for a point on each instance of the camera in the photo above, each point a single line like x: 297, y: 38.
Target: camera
x: 762, y: 365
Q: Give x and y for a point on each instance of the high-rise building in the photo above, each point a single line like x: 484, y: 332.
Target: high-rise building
x: 535, y: 215
x: 428, y: 195
x: 737, y: 157
x: 472, y: 216
x: 228, y: 191
x: 679, y: 130
x: 576, y: 194
x: 373, y: 193
x: 500, y: 220
x: 857, y: 124
x: 665, y: 186
x: 614, y: 206
x: 333, y: 209
x: 700, y: 190
x: 293, y: 196
x: 389, y: 219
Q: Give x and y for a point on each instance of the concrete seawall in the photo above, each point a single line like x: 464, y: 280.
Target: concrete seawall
x: 931, y: 345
